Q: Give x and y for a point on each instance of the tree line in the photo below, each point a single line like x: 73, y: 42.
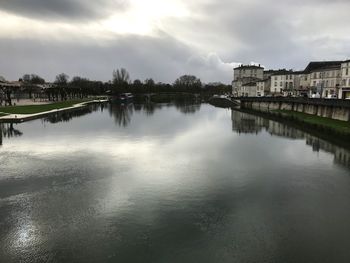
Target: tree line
x: 64, y: 88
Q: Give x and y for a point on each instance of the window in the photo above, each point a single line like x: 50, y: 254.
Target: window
x: 347, y: 71
x: 275, y: 84
x: 281, y: 84
x: 275, y: 77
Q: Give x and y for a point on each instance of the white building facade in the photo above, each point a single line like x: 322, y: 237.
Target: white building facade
x: 282, y: 82
x: 344, y: 91
x: 325, y: 78
x: 245, y: 74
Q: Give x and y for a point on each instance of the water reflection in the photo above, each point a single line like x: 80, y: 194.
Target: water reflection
x: 65, y: 116
x: 123, y: 113
x: 245, y: 123
x: 7, y: 130
x: 173, y: 187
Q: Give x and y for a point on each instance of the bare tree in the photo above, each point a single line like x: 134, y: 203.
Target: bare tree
x: 188, y: 83
x: 62, y: 79
x: 121, y: 76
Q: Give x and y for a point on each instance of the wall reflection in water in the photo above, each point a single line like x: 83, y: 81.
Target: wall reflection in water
x: 244, y: 123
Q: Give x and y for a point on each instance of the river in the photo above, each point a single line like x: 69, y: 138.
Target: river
x: 171, y: 183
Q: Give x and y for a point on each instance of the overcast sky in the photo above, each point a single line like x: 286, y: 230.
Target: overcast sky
x: 164, y: 39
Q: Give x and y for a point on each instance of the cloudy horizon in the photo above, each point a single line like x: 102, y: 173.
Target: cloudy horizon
x: 163, y: 39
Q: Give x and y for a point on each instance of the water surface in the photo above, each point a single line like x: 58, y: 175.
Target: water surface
x: 170, y: 183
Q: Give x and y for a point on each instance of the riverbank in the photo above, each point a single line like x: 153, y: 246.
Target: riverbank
x: 29, y: 112
x: 322, y: 122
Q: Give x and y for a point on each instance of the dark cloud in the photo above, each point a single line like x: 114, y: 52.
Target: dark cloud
x: 276, y: 34
x: 161, y: 58
x: 279, y: 33
x: 63, y: 9
x: 144, y: 57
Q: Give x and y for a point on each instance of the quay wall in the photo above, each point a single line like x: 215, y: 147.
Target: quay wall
x: 329, y: 108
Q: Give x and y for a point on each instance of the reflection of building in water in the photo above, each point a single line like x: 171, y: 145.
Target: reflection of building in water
x: 248, y: 123
x: 279, y: 129
x: 341, y: 155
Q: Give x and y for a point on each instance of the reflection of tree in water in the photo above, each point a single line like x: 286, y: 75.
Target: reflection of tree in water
x: 187, y: 105
x: 7, y: 131
x: 122, y: 113
x: 150, y: 107
x: 188, y: 108
x: 65, y: 116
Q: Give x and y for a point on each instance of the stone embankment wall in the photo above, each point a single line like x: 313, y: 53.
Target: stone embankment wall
x: 329, y: 108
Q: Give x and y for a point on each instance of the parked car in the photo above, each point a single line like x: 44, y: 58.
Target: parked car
x: 316, y: 96
x: 331, y: 96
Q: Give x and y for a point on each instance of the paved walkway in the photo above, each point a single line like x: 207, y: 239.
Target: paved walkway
x: 24, y: 102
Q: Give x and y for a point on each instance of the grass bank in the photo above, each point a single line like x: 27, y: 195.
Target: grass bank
x: 321, y: 122
x: 32, y: 109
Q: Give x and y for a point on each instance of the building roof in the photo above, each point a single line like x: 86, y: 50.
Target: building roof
x: 322, y: 65
x: 299, y: 72
x: 250, y: 84
x: 282, y: 72
x: 263, y: 80
x: 249, y: 67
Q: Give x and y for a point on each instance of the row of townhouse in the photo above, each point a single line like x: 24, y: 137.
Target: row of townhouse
x: 327, y: 79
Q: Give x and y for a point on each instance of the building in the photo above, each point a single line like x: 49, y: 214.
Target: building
x: 302, y: 83
x: 248, y: 90
x: 282, y: 82
x: 344, y: 91
x: 248, y: 71
x: 243, y: 75
x: 325, y: 77
x: 263, y: 87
